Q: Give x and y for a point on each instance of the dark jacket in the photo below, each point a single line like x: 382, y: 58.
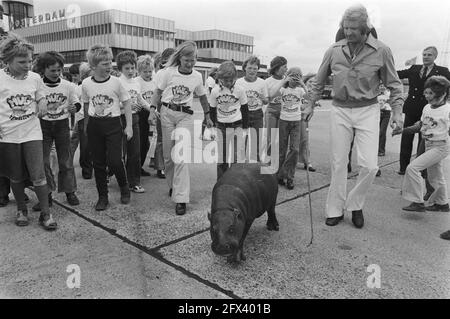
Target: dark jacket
x: 415, y: 102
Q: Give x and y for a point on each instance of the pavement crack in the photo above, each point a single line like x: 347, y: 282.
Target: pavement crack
x: 154, y: 252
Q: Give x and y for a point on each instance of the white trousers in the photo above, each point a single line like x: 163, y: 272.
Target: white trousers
x: 364, y: 124
x: 431, y: 160
x: 177, y: 173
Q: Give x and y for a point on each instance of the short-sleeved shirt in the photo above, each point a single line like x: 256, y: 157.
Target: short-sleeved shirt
x: 179, y: 88
x: 59, y: 98
x: 148, y: 88
x: 291, y: 105
x: 104, y: 97
x: 228, y: 103
x: 254, y: 91
x: 435, y: 122
x: 274, y: 95
x: 133, y: 88
x: 18, y: 120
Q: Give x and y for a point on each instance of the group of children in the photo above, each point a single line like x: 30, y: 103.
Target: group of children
x: 113, y: 114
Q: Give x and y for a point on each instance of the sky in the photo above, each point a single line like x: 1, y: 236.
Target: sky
x: 300, y: 30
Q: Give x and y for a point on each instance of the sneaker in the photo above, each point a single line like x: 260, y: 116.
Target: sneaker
x: 378, y: 173
x: 180, y: 209
x: 290, y: 184
x: 438, y: 208
x: 37, y: 207
x: 309, y: 168
x: 144, y: 172
x: 446, y: 235
x: 102, y: 203
x: 381, y: 154
x: 22, y: 218
x: 46, y: 221
x: 72, y: 199
x: 170, y: 192
x: 125, y: 195
x: 137, y: 189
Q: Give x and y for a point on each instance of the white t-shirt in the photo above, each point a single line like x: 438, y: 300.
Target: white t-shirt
x: 435, y: 122
x: 148, y: 88
x: 80, y: 114
x: 179, y: 88
x: 104, y: 98
x: 274, y: 95
x: 18, y: 120
x: 59, y: 98
x: 254, y: 90
x: 228, y: 103
x: 291, y: 105
x: 133, y: 88
x: 210, y: 83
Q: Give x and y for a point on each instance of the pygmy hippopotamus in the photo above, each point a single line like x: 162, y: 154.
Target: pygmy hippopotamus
x: 241, y: 195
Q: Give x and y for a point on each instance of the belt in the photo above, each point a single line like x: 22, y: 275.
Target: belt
x: 236, y: 124
x: 178, y: 107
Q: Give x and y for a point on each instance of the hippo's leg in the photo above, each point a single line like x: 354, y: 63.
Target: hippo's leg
x: 272, y: 222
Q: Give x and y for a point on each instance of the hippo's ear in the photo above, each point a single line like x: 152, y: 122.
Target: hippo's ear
x: 209, y: 215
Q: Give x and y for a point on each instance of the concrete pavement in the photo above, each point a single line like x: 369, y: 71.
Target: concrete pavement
x: 143, y: 250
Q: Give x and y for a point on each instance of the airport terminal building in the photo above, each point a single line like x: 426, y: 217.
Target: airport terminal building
x: 128, y: 31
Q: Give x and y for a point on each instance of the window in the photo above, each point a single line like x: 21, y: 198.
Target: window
x: 135, y: 31
x: 117, y: 28
x: 123, y: 29
x: 167, y: 36
x: 129, y: 30
x: 152, y: 33
x: 141, y: 32
x: 146, y: 32
x: 108, y: 29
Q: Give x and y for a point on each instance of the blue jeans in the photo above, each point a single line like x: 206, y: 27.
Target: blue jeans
x: 59, y: 132
x: 133, y: 161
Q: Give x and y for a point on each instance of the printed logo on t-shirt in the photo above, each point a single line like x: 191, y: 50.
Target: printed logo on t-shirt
x: 225, y: 102
x: 290, y: 102
x: 134, y: 102
x: 180, y: 93
x: 101, y: 103
x: 254, y: 101
x: 148, y: 96
x: 428, y: 123
x: 55, y: 104
x: 21, y: 107
x: 277, y: 100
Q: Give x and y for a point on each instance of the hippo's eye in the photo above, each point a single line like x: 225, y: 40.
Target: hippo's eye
x: 231, y: 230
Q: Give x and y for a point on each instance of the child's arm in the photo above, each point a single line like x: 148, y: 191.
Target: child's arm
x: 86, y: 117
x: 143, y: 102
x: 415, y: 128
x: 244, y: 112
x: 206, y: 110
x: 129, y: 119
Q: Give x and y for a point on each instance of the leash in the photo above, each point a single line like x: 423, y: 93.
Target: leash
x: 309, y: 188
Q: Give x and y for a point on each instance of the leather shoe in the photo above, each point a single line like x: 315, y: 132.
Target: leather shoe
x: 415, y: 207
x: 333, y: 221
x: 290, y: 184
x: 438, y: 208
x: 160, y: 174
x: 4, y: 201
x: 401, y: 172
x: 358, y: 218
x: 281, y: 182
x: 180, y: 209
x: 170, y: 192
x: 72, y: 199
x: 102, y: 203
x: 309, y: 168
x: 446, y: 235
x: 378, y: 173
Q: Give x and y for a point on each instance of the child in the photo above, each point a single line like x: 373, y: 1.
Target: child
x: 230, y: 113
x: 62, y: 101
x: 21, y: 102
x: 176, y: 84
x: 126, y: 62
x: 290, y: 117
x: 145, y: 66
x: 78, y: 135
x: 102, y: 95
x: 434, y: 127
x: 257, y: 95
x: 385, y: 115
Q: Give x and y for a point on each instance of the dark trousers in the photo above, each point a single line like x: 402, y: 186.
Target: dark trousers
x: 256, y: 121
x: 159, y: 156
x: 222, y: 164
x: 58, y: 132
x: 384, y: 121
x: 105, y: 138
x: 4, y: 187
x: 133, y: 157
x: 78, y: 137
x: 406, y: 143
x: 289, y: 137
x: 144, y: 129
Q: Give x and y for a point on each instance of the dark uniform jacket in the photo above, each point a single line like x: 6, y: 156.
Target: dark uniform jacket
x: 415, y: 102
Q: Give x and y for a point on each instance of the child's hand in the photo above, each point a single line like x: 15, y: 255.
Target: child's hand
x: 42, y: 108
x: 72, y: 109
x: 129, y: 132
x: 397, y: 131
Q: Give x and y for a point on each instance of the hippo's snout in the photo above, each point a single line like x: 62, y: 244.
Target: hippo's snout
x: 222, y: 249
